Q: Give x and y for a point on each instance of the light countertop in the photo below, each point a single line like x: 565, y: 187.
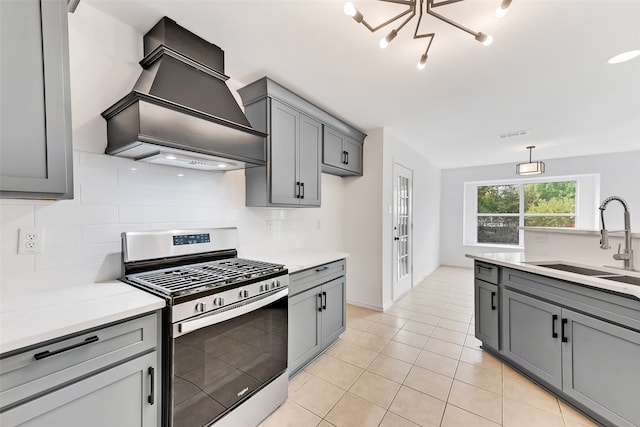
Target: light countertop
x: 521, y: 261
x: 29, y: 319
x: 298, y: 260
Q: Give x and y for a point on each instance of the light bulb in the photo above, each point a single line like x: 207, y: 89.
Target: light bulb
x: 624, y: 57
x: 488, y: 41
x: 423, y: 62
x: 484, y: 39
x: 383, y: 43
x: 349, y: 9
x: 502, y: 9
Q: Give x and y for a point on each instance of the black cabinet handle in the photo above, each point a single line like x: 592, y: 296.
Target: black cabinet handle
x: 48, y: 353
x: 564, y: 323
x: 347, y: 155
x: 152, y: 393
x: 297, y: 189
x: 554, y: 319
x: 493, y: 300
x: 323, y: 268
x: 320, y: 296
x: 324, y: 305
x: 484, y: 267
x: 344, y: 157
x: 302, y: 186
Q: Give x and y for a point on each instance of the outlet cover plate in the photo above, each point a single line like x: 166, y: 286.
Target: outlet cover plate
x: 30, y: 240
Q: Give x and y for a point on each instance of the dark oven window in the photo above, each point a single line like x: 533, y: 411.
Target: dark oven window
x: 219, y: 366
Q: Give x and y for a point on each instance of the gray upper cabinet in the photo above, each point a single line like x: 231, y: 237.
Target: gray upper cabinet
x: 35, y: 110
x: 297, y: 130
x: 341, y: 155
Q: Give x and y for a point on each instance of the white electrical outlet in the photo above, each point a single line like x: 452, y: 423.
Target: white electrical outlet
x: 30, y: 240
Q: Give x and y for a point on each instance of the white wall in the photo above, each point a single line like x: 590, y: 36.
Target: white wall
x: 369, y: 233
x: 82, y: 236
x: 619, y: 175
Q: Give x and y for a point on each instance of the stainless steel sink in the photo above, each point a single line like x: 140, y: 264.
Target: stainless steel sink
x: 575, y: 269
x: 625, y: 279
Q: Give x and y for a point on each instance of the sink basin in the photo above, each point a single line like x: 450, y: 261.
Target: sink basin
x: 625, y: 279
x: 575, y: 269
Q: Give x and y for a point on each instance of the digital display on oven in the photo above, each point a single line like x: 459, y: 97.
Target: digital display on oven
x: 191, y: 239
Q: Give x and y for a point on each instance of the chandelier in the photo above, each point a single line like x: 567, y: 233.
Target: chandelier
x: 427, y: 6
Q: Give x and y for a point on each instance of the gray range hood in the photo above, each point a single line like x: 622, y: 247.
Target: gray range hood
x: 180, y: 111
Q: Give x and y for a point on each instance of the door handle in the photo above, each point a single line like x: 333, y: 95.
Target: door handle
x: 152, y: 392
x: 347, y: 156
x: 302, y: 186
x: 297, y: 189
x: 48, y: 353
x: 324, y: 305
x: 344, y: 157
x: 554, y: 319
x: 396, y: 238
x: 320, y: 297
x: 493, y: 300
x: 564, y: 324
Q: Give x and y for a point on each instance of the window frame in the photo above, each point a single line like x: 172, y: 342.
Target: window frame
x: 586, y: 216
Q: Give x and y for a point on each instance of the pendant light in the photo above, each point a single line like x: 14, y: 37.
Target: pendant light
x: 530, y: 168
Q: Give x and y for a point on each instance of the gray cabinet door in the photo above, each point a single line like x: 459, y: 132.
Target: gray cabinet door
x: 333, y: 310
x: 531, y: 336
x: 332, y: 151
x: 308, y: 162
x: 487, y: 309
x: 119, y: 396
x: 601, y: 367
x: 304, y: 328
x: 353, y: 154
x: 285, y: 125
x: 35, y: 107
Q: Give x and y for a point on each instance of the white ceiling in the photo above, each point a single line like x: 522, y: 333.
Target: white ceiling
x: 545, y: 72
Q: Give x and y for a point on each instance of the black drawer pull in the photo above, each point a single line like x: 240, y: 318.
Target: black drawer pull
x: 324, y: 304
x: 152, y: 394
x: 493, y: 300
x: 554, y: 319
x: 564, y: 323
x: 48, y: 353
x: 484, y: 267
x: 320, y: 296
x: 319, y: 269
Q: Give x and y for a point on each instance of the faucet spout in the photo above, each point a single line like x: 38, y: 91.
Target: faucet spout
x: 627, y: 255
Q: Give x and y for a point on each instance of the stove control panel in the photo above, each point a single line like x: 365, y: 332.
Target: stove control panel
x: 222, y: 299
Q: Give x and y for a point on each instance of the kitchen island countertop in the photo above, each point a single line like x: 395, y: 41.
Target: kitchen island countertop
x: 521, y: 261
x: 29, y: 319
x: 298, y: 260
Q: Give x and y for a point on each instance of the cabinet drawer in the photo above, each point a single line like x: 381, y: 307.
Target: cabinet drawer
x: 307, y: 279
x: 486, y: 272
x: 58, y: 362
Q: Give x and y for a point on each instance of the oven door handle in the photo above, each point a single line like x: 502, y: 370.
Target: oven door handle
x: 211, y: 319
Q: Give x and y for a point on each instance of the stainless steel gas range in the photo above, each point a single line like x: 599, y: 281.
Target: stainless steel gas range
x: 224, y: 327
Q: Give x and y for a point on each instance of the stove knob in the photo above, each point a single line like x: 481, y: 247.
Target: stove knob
x: 218, y: 301
x: 277, y: 283
x: 244, y: 294
x: 264, y: 288
x: 201, y: 307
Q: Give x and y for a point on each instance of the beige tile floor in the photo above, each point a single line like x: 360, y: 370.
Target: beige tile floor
x: 418, y: 364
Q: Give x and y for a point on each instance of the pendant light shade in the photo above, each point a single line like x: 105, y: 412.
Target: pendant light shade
x: 530, y: 168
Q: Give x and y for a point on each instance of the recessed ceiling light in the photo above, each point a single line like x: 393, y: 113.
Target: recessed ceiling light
x: 624, y: 56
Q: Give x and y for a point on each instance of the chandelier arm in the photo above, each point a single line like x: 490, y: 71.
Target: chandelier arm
x: 447, y: 20
x: 444, y: 3
x: 413, y: 13
x: 395, y: 18
x: 405, y: 2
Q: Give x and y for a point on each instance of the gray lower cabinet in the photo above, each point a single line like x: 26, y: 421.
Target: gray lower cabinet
x: 35, y: 107
x: 531, y: 336
x: 100, y: 377
x: 341, y: 155
x: 317, y: 314
x: 292, y: 176
x: 116, y: 397
x: 487, y: 314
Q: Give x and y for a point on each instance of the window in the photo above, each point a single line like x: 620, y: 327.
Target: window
x: 496, y: 212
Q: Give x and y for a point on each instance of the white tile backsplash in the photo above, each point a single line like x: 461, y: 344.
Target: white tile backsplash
x: 82, y: 236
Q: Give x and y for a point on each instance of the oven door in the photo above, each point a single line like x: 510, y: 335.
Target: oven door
x: 221, y: 359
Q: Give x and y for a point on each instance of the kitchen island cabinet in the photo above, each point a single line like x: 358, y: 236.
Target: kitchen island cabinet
x: 100, y: 377
x: 487, y: 302
x: 580, y: 342
x: 35, y: 119
x: 317, y: 312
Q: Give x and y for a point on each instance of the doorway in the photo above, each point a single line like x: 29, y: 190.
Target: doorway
x: 402, y: 230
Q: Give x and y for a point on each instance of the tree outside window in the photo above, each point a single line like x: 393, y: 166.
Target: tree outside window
x: 502, y: 209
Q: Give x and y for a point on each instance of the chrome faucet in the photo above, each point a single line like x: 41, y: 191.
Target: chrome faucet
x: 627, y: 255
